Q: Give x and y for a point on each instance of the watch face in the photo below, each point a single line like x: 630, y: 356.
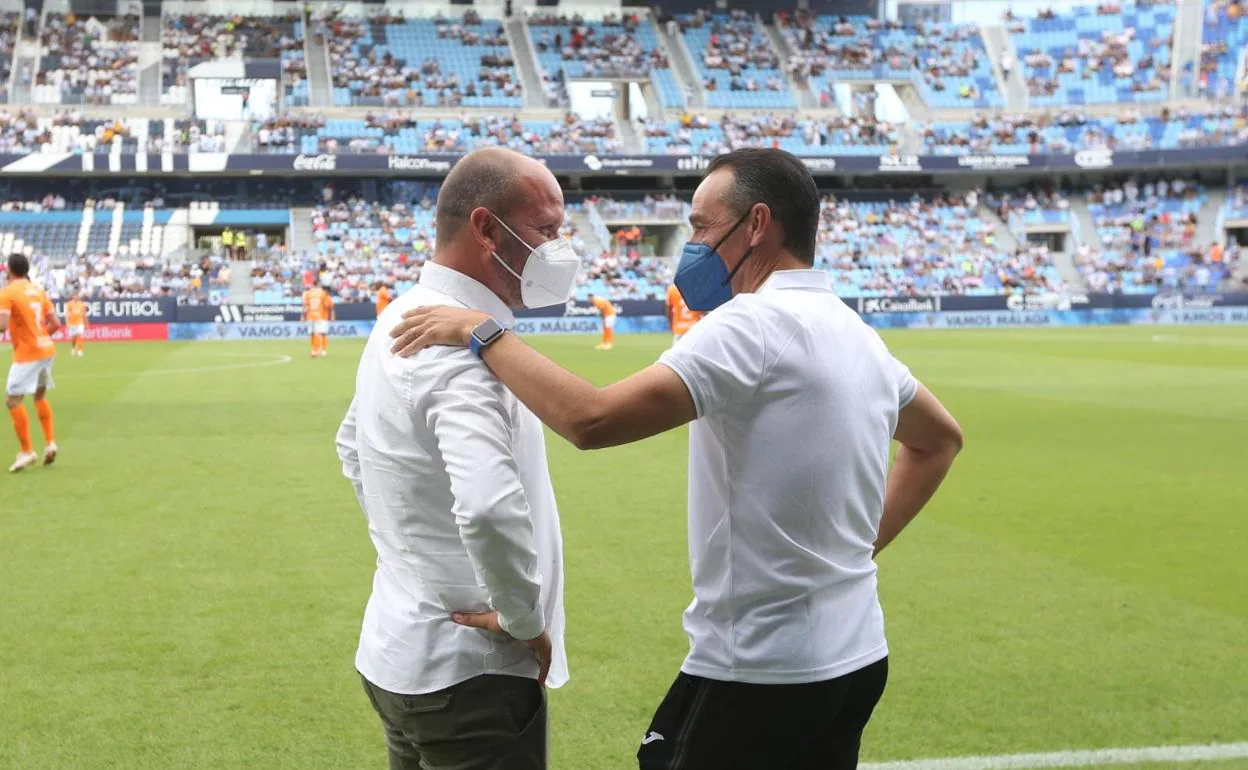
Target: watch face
x: 487, y: 330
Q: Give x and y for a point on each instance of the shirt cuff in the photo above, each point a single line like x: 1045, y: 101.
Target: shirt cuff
x: 909, y: 389
x: 528, y: 627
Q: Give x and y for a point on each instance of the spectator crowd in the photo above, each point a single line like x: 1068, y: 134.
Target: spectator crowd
x: 90, y: 61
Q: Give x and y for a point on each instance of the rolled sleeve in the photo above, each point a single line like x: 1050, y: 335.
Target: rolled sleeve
x: 469, y: 419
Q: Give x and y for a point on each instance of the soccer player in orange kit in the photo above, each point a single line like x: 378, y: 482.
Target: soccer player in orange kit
x: 605, y: 307
x: 679, y: 316
x: 318, y: 310
x: 76, y: 321
x: 27, y: 314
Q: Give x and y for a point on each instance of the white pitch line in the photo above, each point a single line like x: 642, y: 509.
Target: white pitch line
x: 275, y: 361
x: 1222, y: 342
x: 1090, y: 758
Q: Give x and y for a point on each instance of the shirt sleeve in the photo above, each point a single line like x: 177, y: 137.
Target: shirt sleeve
x: 349, y: 453
x: 469, y: 419
x: 721, y: 360
x: 907, y: 385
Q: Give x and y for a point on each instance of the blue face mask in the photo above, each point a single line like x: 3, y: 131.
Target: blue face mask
x: 702, y: 278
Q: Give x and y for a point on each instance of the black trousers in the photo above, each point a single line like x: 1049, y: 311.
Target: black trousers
x: 704, y: 724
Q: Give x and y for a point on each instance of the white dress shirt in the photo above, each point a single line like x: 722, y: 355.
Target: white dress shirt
x: 797, y: 401
x: 450, y: 469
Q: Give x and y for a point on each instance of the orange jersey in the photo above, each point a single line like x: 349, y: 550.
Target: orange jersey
x: 76, y: 312
x: 383, y: 299
x: 28, y: 308
x: 604, y: 306
x: 317, y: 305
x: 679, y: 315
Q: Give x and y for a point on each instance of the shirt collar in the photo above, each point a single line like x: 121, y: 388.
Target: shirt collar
x: 797, y: 279
x: 467, y: 290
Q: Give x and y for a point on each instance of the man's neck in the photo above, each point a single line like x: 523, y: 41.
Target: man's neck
x: 784, y: 261
x: 470, y: 268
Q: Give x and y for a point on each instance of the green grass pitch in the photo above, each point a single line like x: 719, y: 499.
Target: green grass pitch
x: 184, y: 588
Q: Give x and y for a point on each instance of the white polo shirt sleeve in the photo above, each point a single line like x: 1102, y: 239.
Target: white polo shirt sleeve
x: 474, y: 433
x: 907, y: 385
x: 721, y: 359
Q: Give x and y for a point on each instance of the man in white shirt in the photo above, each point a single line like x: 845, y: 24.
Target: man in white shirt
x: 465, y: 621
x: 794, y: 402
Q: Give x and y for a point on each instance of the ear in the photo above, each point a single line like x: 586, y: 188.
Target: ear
x: 484, y: 228
x: 758, y: 222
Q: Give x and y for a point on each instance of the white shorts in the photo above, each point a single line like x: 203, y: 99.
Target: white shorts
x: 77, y: 331
x: 26, y: 378
x: 608, y: 322
x: 320, y: 327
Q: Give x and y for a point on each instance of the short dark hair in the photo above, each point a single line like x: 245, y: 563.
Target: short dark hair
x: 19, y: 266
x: 484, y: 178
x: 780, y: 181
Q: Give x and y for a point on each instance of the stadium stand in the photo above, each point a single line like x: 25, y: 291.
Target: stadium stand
x: 1225, y: 35
x: 102, y: 276
x: 27, y: 132
x: 569, y: 47
x: 698, y: 134
x: 192, y: 39
x: 10, y: 30
x: 922, y: 246
x: 393, y: 78
x: 649, y: 207
x: 948, y: 63
x: 403, y: 134
x: 1070, y: 131
x: 1031, y: 207
x: 89, y: 61
x: 1111, y: 53
x: 392, y: 61
x: 360, y: 243
x: 1236, y: 206
x: 1147, y: 240
x: 738, y: 67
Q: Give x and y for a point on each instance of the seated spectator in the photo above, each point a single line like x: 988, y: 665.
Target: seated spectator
x: 93, y: 61
x: 390, y: 80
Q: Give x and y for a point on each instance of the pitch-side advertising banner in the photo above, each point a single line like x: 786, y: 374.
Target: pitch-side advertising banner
x: 438, y: 165
x: 1005, y: 319
x: 111, y: 332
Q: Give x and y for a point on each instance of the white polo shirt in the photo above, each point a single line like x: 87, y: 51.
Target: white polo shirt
x: 797, y: 401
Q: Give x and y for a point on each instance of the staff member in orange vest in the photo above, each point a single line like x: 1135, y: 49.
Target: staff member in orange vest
x: 679, y: 316
x: 383, y: 297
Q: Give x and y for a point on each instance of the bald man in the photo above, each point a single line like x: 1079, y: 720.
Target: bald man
x: 464, y: 627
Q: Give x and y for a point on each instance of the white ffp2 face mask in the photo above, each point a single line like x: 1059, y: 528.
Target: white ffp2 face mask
x: 549, y: 274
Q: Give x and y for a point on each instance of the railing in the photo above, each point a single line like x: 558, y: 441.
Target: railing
x: 662, y: 212
x: 599, y: 227
x: 1241, y: 71
x: 1018, y: 227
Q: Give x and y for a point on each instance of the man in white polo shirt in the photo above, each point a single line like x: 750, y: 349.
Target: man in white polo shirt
x: 465, y: 622
x: 794, y: 402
